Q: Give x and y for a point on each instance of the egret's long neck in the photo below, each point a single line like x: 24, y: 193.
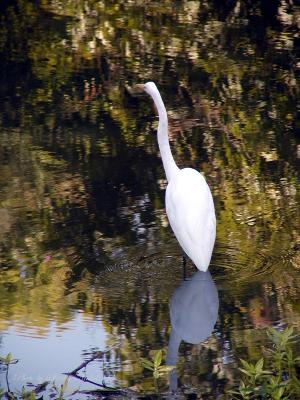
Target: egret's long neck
x: 162, y: 135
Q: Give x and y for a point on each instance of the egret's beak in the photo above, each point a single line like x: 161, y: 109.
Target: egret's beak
x: 140, y: 88
x: 136, y: 89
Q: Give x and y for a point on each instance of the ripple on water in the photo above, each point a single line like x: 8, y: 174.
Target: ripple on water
x: 242, y: 266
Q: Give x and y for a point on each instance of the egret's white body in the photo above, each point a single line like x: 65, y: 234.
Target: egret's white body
x: 189, y: 203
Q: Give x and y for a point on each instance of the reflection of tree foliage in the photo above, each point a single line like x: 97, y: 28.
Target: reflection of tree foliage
x: 81, y: 181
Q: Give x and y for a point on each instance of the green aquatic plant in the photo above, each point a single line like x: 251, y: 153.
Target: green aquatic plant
x: 27, y: 395
x: 275, y: 376
x: 155, y: 365
x: 7, y: 361
x: 61, y: 391
x: 24, y: 394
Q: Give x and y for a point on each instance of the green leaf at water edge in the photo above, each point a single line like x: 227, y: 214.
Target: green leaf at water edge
x: 28, y: 395
x: 147, y: 364
x: 63, y: 388
x: 243, y: 391
x: 157, y: 358
x: 248, y: 368
x: 254, y: 370
x: 9, y: 358
x: 155, y: 374
x: 277, y: 395
x: 165, y: 369
x: 259, y: 365
x: 244, y: 371
x: 282, y: 339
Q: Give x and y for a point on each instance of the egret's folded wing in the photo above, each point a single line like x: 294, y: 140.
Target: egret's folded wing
x: 191, y: 213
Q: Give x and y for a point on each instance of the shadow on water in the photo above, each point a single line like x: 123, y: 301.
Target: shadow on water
x: 194, y: 308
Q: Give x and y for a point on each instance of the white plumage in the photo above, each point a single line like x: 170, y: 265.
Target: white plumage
x: 191, y: 214
x: 189, y: 203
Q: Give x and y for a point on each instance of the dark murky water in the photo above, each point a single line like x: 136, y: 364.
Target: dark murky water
x: 88, y: 261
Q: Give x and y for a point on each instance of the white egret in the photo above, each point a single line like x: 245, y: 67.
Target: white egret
x: 189, y: 203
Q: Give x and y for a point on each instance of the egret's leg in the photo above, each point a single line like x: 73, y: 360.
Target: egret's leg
x: 184, y: 258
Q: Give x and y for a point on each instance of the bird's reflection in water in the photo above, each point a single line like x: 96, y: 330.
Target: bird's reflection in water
x: 194, y: 308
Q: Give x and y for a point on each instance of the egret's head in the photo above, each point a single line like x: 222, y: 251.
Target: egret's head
x: 151, y: 89
x: 137, y: 89
x: 148, y: 87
